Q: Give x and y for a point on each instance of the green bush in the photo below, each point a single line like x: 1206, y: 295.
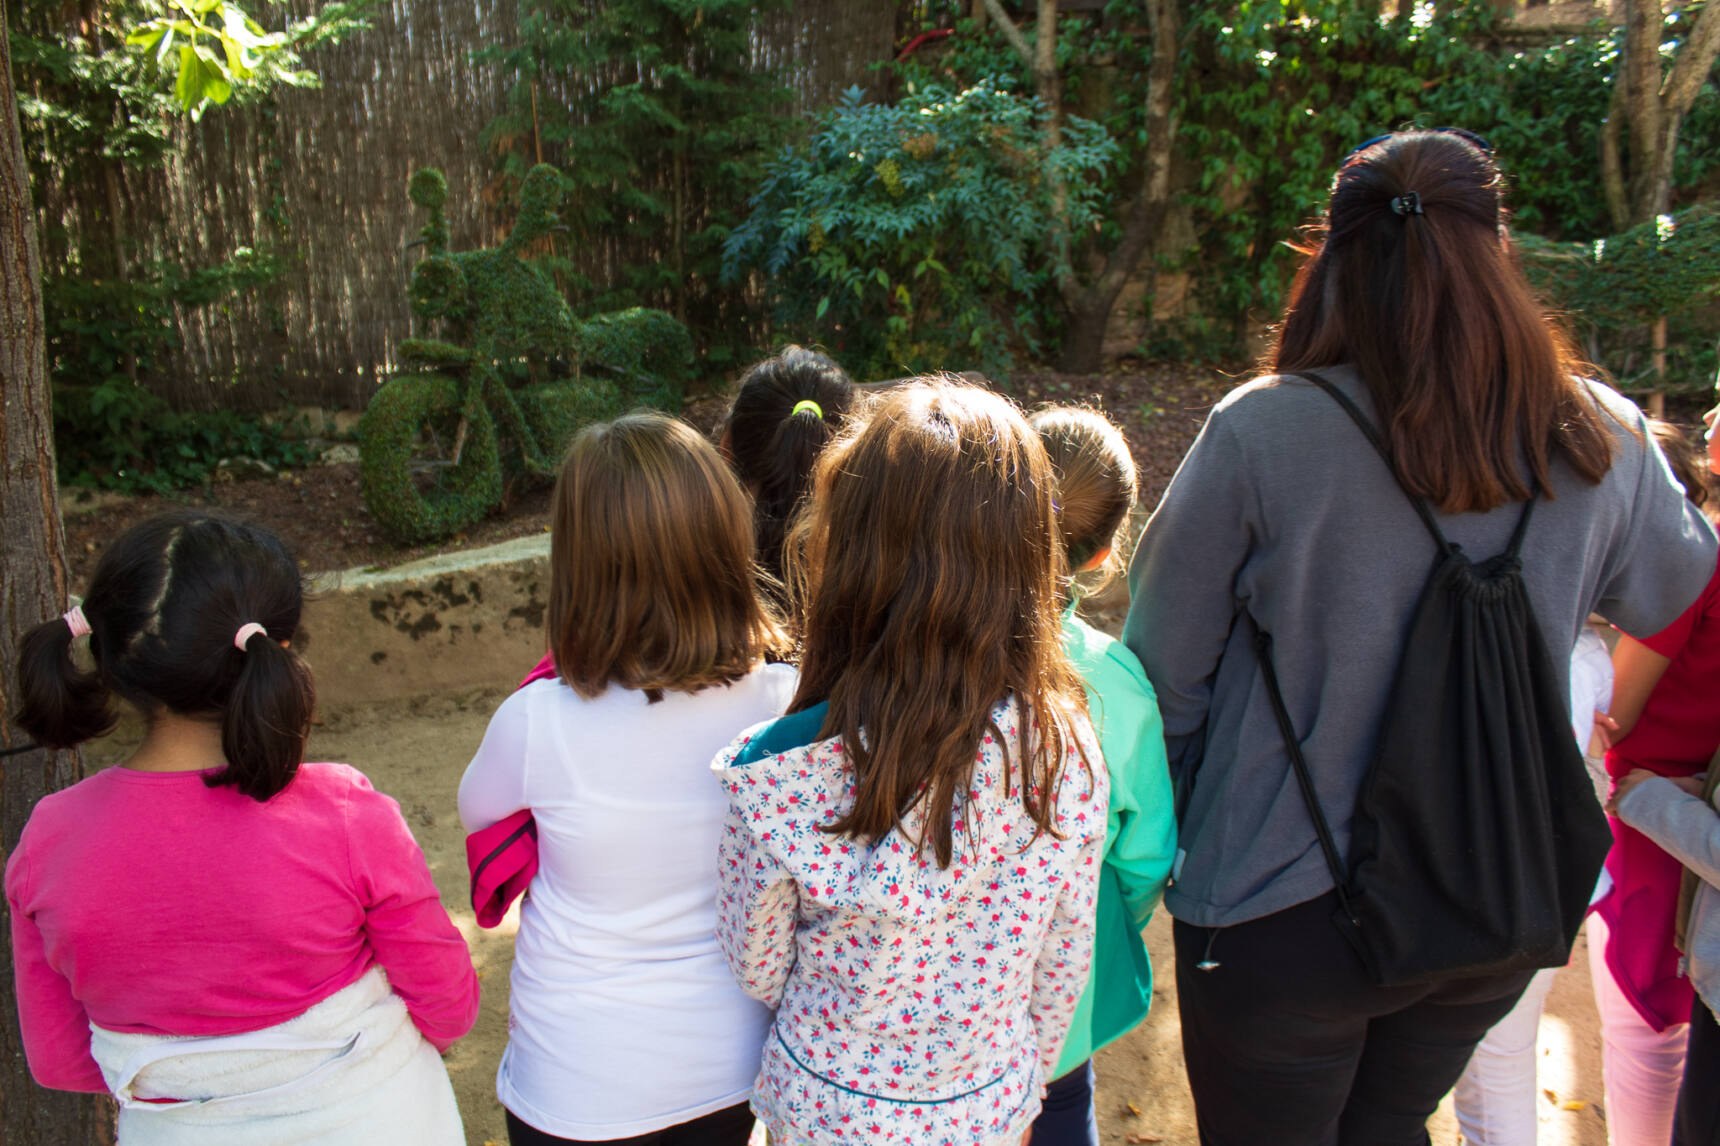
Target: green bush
x: 117, y: 435
x: 410, y: 508
x: 1612, y: 288
x: 908, y: 237
x: 648, y: 350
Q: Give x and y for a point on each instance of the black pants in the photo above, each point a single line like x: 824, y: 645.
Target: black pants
x: 1698, y: 1119
x: 727, y: 1127
x: 1288, y: 1042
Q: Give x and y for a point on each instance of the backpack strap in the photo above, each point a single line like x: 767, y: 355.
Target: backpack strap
x: 1328, y: 846
x: 1379, y: 445
x: 1421, y: 506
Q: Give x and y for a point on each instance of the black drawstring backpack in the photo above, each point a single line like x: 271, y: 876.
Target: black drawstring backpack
x: 1476, y: 839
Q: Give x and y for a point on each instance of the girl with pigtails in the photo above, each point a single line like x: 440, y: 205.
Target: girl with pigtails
x: 240, y: 946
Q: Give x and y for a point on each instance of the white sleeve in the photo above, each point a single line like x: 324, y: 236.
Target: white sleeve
x: 494, y: 786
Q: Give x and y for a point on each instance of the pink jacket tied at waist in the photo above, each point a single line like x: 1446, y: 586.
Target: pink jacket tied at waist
x: 503, y: 858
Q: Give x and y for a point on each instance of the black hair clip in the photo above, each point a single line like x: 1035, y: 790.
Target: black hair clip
x: 1407, y: 204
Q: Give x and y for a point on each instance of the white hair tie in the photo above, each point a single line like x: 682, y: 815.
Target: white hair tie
x: 246, y: 631
x: 76, y: 621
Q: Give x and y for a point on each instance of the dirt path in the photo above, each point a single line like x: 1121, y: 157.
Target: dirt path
x: 415, y: 751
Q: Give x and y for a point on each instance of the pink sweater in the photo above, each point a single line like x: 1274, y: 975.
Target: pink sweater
x: 148, y: 902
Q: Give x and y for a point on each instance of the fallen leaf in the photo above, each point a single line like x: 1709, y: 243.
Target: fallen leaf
x: 1551, y: 1097
x: 1573, y: 1104
x: 1135, y: 1110
x: 1144, y: 1138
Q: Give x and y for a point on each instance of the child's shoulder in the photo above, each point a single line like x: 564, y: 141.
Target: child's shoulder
x: 1104, y: 662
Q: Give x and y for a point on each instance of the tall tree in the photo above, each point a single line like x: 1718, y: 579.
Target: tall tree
x: 1088, y: 299
x: 208, y: 49
x: 32, y: 587
x: 1652, y: 91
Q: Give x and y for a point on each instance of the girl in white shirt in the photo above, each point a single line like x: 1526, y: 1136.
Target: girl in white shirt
x: 625, y: 1023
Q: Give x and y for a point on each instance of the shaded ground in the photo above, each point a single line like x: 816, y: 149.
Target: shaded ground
x: 319, y: 513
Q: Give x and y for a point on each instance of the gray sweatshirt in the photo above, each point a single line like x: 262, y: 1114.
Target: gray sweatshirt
x: 1282, y: 514
x: 1688, y: 830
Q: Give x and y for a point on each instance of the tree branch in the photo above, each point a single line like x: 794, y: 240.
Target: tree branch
x: 1695, y: 58
x: 1010, y: 31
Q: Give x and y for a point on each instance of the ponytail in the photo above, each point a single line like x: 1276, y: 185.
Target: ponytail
x: 267, y: 719
x: 786, y: 409
x: 61, y: 705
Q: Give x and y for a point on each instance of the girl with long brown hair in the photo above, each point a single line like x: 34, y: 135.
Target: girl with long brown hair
x: 911, y: 856
x: 1283, y: 519
x: 624, y: 1023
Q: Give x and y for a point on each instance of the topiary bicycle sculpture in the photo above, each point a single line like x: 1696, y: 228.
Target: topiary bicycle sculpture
x: 505, y: 387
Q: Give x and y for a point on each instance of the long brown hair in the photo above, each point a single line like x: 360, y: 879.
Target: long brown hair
x: 1416, y: 284
x: 928, y: 565
x: 651, y: 559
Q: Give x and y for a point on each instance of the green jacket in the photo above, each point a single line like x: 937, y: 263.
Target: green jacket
x: 1139, y: 843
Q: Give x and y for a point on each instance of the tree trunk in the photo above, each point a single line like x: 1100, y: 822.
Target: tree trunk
x: 1656, y: 98
x: 32, y: 588
x: 1088, y: 311
x: 1640, y: 74
x: 1084, y: 338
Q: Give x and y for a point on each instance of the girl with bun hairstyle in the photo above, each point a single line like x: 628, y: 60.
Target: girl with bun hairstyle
x: 239, y: 946
x: 1096, y: 489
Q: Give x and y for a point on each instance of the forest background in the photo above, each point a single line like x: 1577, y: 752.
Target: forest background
x: 912, y: 184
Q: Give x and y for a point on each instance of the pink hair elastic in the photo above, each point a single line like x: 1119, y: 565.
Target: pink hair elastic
x: 246, y: 631
x: 76, y: 621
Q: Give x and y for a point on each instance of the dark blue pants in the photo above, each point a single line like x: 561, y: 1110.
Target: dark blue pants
x: 1068, y: 1117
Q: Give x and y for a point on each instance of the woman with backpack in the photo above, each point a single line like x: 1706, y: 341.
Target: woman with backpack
x: 1357, y: 602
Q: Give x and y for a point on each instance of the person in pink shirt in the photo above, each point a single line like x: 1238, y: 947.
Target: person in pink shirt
x: 240, y: 947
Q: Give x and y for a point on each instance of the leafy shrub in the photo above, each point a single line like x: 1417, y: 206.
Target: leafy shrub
x: 112, y: 432
x: 117, y: 435
x: 1612, y: 288
x: 471, y: 486
x: 647, y: 349
x: 908, y: 237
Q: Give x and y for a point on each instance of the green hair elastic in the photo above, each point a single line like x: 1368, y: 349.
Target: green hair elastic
x: 808, y: 406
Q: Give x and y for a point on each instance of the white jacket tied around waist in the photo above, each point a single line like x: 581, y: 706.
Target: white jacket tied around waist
x: 352, y: 1071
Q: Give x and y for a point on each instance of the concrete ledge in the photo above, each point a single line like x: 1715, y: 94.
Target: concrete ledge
x: 472, y: 619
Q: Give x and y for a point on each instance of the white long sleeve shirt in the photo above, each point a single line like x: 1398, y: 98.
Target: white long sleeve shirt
x: 624, y: 1018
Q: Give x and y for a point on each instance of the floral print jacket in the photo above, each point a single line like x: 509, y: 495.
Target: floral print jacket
x: 915, y: 1004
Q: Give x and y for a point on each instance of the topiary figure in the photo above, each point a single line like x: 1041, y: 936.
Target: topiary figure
x: 488, y: 319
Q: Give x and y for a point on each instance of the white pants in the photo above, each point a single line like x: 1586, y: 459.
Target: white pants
x: 1640, y: 1066
x: 1495, y: 1098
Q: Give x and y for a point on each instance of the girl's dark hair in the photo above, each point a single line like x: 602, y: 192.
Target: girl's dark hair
x: 1416, y: 283
x: 930, y: 571
x: 165, y: 603
x: 1096, y: 483
x: 772, y: 448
